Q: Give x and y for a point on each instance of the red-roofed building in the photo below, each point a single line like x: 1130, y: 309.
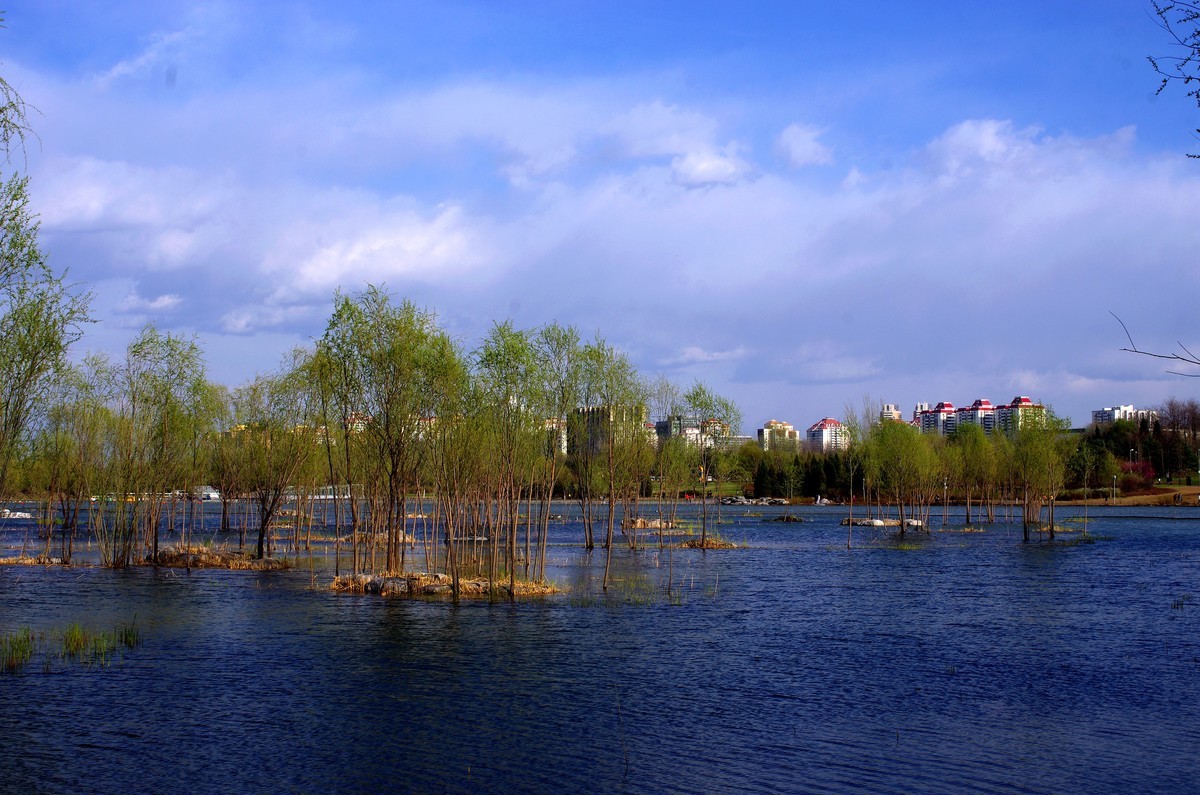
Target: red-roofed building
x: 1020, y: 411
x: 981, y: 413
x: 940, y: 419
x: 826, y: 435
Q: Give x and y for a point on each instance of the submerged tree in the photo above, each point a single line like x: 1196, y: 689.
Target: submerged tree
x: 616, y: 426
x: 1041, y: 449
x: 719, y: 417
x: 277, y: 438
x: 505, y: 369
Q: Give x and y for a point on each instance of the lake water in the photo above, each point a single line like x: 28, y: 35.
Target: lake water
x: 957, y: 662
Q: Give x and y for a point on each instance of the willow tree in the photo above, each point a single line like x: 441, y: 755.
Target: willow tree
x: 41, y: 317
x: 718, y: 417
x: 224, y: 465
x: 557, y: 355
x: 397, y: 347
x: 165, y: 381
x: 336, y: 385
x: 671, y: 465
x: 855, y: 430
x: 122, y: 475
x: 277, y: 439
x: 976, y: 459
x: 1041, y: 449
x: 71, y: 448
x: 506, y: 373
x: 616, y: 422
x: 901, y: 460
x: 453, y: 462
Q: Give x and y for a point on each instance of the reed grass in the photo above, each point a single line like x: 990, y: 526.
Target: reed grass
x: 16, y: 649
x: 75, y: 643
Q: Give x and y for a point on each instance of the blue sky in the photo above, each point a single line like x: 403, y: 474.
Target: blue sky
x: 800, y: 204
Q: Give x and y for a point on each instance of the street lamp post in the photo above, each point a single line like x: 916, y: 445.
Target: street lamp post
x: 1114, y: 488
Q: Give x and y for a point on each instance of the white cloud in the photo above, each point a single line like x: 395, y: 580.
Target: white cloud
x: 699, y: 169
x: 160, y: 49
x: 655, y: 129
x: 824, y: 361
x: 577, y: 201
x: 135, y: 303
x: 384, y: 245
x: 799, y: 145
x: 694, y: 354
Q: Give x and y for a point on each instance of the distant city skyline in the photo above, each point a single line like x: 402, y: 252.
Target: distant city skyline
x: 798, y: 204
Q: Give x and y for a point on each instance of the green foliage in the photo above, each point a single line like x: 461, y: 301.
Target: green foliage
x: 14, y: 116
x: 41, y: 316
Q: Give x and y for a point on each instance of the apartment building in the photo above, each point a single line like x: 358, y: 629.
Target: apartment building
x: 1019, y: 413
x: 827, y: 435
x: 890, y: 412
x: 1111, y: 414
x: 944, y: 419
x: 941, y: 419
x: 981, y: 413
x: 777, y: 435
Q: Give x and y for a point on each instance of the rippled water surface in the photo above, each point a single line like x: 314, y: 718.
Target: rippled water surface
x: 952, y: 662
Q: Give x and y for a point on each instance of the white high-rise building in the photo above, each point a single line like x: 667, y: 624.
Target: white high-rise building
x: 826, y: 435
x: 1111, y: 414
x: 981, y: 413
x: 941, y: 419
x: 776, y: 435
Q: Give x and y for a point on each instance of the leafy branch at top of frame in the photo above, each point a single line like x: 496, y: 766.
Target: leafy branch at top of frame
x: 1181, y: 21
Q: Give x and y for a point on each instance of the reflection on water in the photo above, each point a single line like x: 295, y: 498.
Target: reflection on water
x: 965, y: 662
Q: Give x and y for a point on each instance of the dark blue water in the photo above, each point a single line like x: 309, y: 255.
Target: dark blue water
x: 958, y: 662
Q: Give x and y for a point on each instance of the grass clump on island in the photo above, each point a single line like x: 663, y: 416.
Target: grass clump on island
x: 424, y: 584
x: 31, y: 560
x: 178, y: 557
x: 75, y: 643
x: 204, y: 557
x: 712, y: 542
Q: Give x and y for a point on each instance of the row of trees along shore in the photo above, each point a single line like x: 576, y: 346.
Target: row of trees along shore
x: 893, y: 465
x: 426, y: 446
x: 414, y: 443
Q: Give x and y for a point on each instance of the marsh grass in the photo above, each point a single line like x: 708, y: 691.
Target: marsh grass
x: 906, y: 546
x: 636, y: 590
x: 1081, y: 540
x: 75, y: 643
x: 16, y: 649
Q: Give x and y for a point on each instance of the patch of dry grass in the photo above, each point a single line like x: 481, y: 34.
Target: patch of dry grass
x: 434, y: 585
x: 712, y: 542
x: 31, y: 560
x: 200, y: 557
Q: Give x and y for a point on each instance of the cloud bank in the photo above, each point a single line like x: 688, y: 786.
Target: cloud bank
x: 708, y: 240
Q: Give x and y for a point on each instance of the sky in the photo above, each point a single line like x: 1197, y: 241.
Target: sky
x: 804, y: 205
